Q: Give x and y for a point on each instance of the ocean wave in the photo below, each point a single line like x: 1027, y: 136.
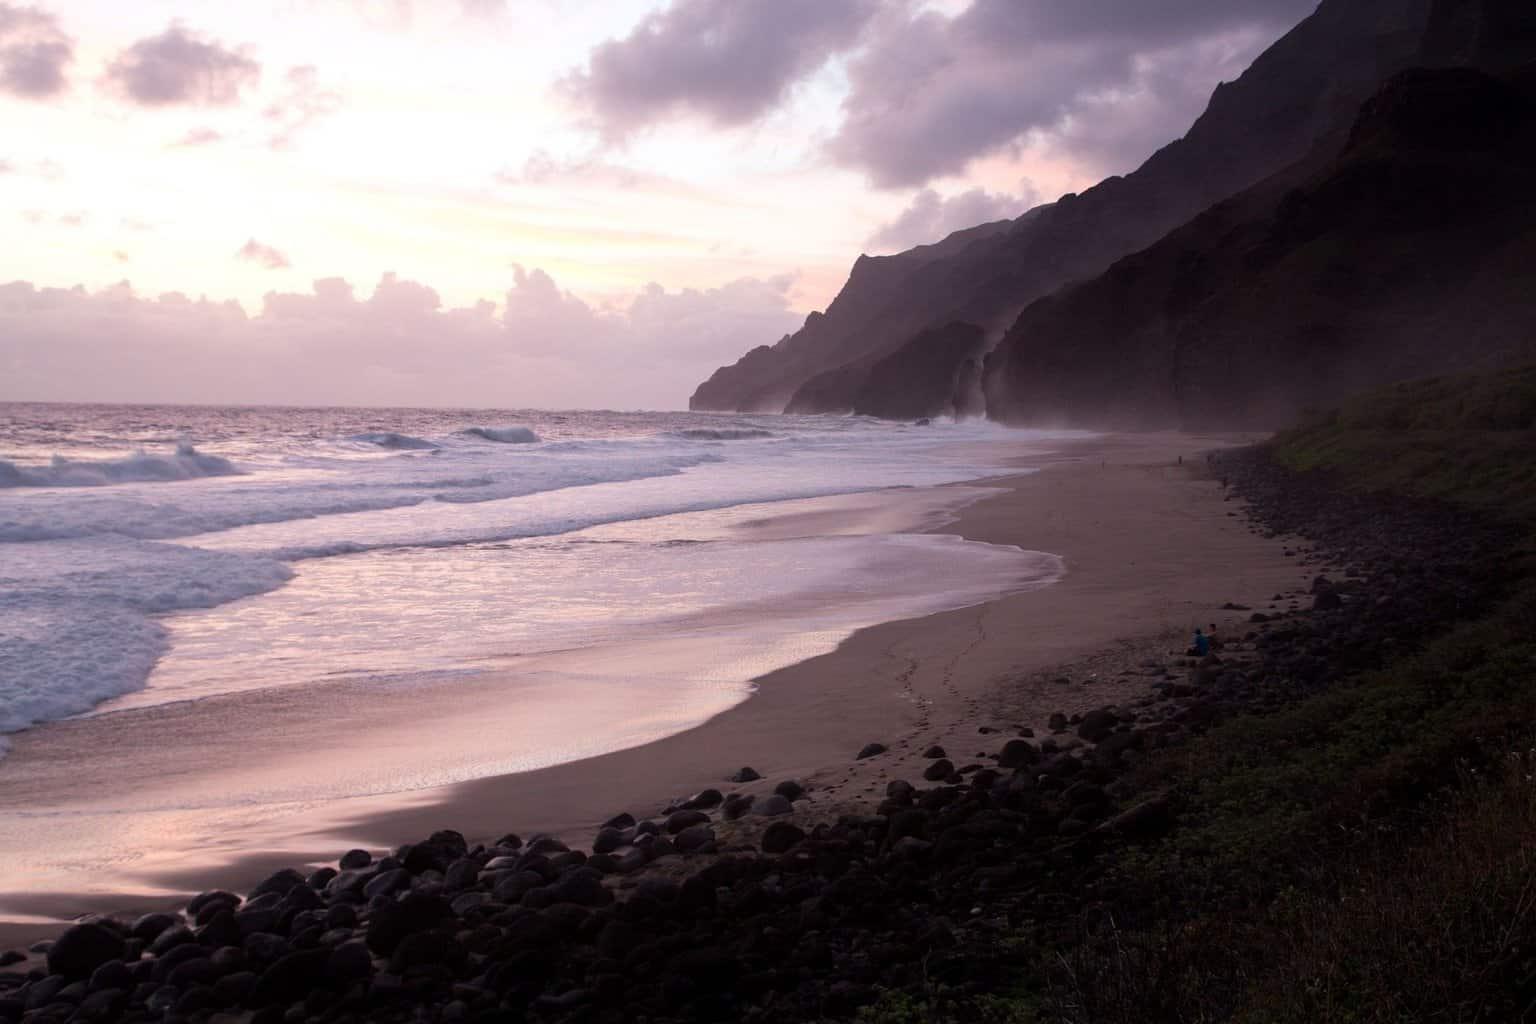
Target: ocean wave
x: 722, y: 434
x: 79, y: 617
x: 395, y: 442
x: 503, y: 435
x: 141, y: 467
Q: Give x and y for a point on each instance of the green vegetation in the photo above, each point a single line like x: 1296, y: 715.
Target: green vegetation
x: 1368, y: 853
x: 1468, y: 440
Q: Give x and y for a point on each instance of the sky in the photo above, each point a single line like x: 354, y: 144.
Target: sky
x: 546, y: 203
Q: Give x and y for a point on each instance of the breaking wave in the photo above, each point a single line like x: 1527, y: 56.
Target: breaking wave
x: 395, y: 442
x: 725, y: 434
x: 503, y: 435
x: 186, y: 464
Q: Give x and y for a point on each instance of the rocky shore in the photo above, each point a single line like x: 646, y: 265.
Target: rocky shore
x: 760, y: 906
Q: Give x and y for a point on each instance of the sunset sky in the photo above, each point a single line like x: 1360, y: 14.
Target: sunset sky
x: 499, y: 197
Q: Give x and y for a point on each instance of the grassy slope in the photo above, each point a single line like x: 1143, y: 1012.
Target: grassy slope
x: 1366, y: 854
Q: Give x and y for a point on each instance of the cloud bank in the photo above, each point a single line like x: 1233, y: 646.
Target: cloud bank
x: 34, y: 53
x: 262, y: 255
x: 930, y: 216
x: 930, y: 93
x: 398, y: 346
x: 726, y: 61
x: 1103, y: 81
x: 178, y: 67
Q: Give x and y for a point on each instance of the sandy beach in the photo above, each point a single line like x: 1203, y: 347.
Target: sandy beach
x: 1150, y: 551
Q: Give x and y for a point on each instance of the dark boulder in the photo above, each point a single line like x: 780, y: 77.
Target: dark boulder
x: 83, y: 948
x: 292, y: 977
x: 780, y: 836
x: 940, y: 770
x: 1097, y: 724
x: 417, y: 912
x: 744, y: 775
x: 1018, y: 754
x: 870, y: 750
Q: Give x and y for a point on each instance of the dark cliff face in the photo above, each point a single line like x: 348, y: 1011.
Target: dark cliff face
x: 1293, y: 98
x: 1412, y: 252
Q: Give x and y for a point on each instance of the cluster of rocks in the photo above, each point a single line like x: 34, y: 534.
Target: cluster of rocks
x: 676, y: 918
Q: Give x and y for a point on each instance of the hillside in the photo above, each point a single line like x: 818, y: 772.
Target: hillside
x: 1409, y: 254
x: 1295, y: 97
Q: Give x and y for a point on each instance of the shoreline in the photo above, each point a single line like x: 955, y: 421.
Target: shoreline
x: 936, y: 679
x: 939, y: 678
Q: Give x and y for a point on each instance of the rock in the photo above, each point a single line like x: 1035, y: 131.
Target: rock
x: 278, y: 882
x: 235, y: 988
x: 546, y: 845
x: 149, y: 927
x: 934, y: 751
x: 940, y: 770
x: 292, y: 977
x: 736, y: 805
x: 1327, y: 601
x: 112, y: 974
x: 461, y: 874
x: 350, y: 961
x: 583, y: 887
x: 780, y: 836
x: 197, y: 971
x: 679, y: 820
x: 620, y: 821
x: 417, y: 912
x: 691, y: 839
x: 201, y: 901
x: 1096, y: 725
x: 703, y: 800
x: 608, y: 839
x: 1018, y: 754
x: 870, y: 750
x: 744, y: 775
x: 1057, y: 722
x: 83, y: 948
x: 11, y: 956
x: 789, y: 789
x: 899, y: 790
x: 774, y: 805
x: 387, y: 882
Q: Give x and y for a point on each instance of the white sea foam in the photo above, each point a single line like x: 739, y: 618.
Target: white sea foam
x: 75, y: 616
x: 186, y: 463
x: 722, y: 434
x: 395, y: 442
x: 504, y: 435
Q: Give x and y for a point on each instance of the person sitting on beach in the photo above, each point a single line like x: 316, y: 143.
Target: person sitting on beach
x: 1201, y: 646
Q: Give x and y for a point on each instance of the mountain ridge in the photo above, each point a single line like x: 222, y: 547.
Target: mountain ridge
x: 1283, y: 106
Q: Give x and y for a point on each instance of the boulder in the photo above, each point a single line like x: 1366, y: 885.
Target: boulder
x: 679, y: 820
x: 940, y: 770
x: 1097, y: 724
x: 691, y: 839
x: 789, y: 789
x: 744, y: 775
x: 774, y: 805
x: 870, y: 750
x: 1018, y: 754
x: 417, y: 912
x: 83, y: 948
x: 780, y: 836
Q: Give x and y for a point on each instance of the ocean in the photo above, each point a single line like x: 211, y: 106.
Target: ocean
x: 151, y: 554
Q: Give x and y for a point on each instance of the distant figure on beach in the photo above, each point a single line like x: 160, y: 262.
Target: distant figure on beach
x: 1202, y: 644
